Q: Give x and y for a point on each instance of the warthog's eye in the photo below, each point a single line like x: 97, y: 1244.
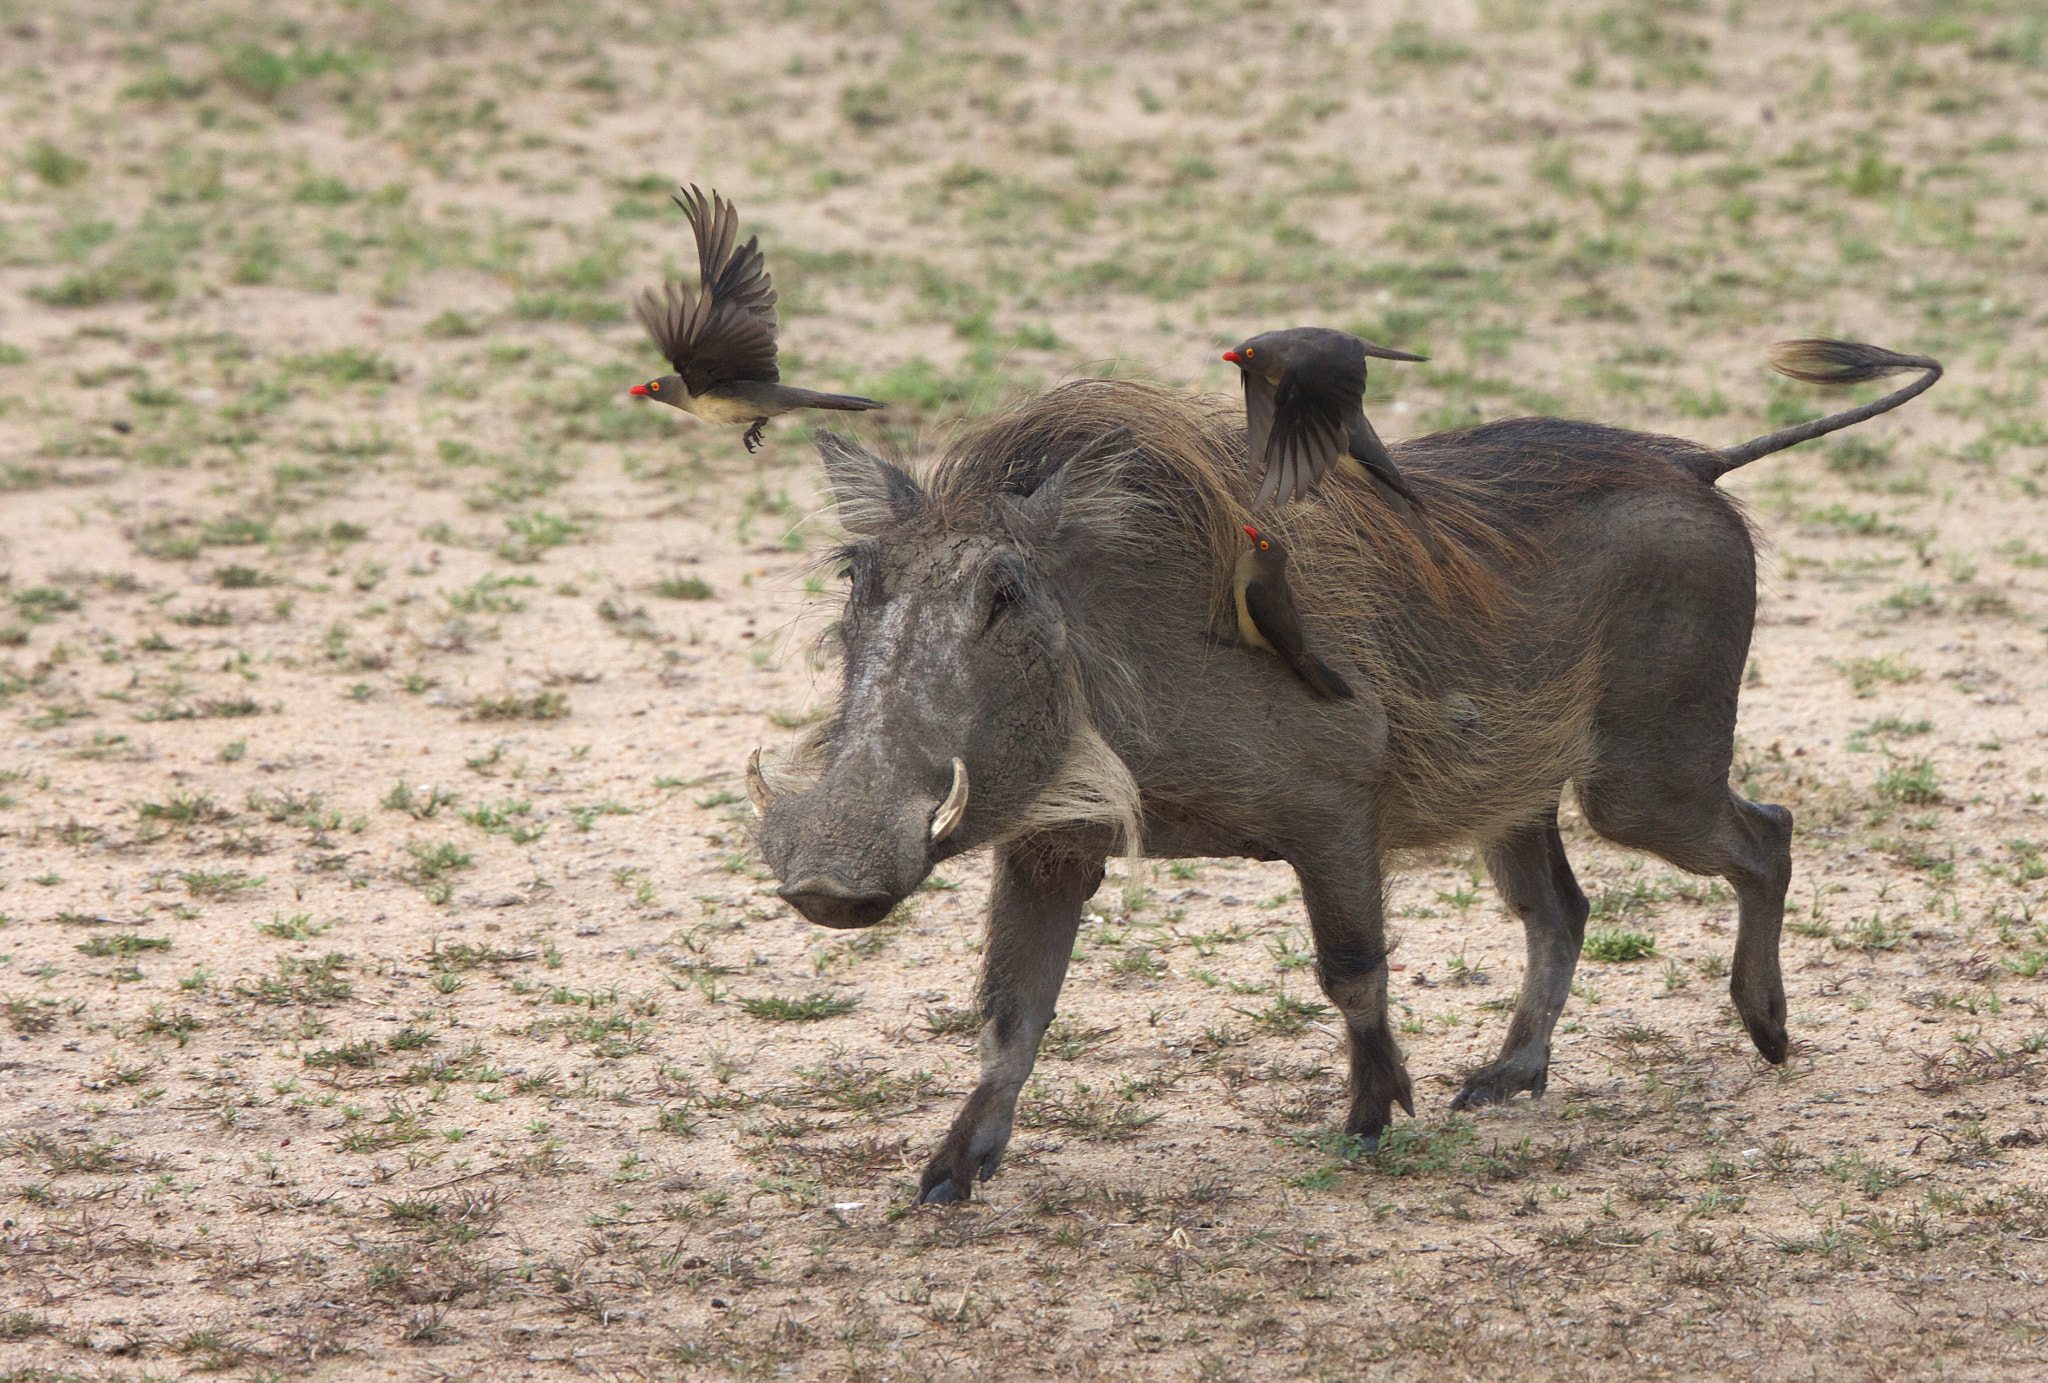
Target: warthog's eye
x: 856, y: 564
x: 1006, y: 591
x: 1001, y: 601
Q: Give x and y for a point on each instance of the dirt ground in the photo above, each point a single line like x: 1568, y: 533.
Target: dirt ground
x: 389, y: 987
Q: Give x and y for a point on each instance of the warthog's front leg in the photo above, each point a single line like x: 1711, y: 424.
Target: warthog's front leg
x: 1536, y: 882
x: 1034, y: 912
x: 1346, y: 920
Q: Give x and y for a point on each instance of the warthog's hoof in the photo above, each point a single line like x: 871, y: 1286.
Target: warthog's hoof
x: 949, y: 1180
x: 1366, y: 1136
x: 1499, y: 1083
x: 945, y: 1193
x: 1771, y: 1041
x: 1477, y: 1097
x: 1761, y: 1002
x: 1480, y: 1094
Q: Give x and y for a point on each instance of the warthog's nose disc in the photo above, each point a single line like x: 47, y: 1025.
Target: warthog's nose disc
x: 830, y: 903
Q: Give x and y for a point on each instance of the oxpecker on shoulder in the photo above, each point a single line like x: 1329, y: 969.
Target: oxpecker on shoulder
x: 1267, y: 618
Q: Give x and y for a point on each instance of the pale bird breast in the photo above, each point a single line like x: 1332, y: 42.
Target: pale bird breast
x: 1246, y: 628
x: 717, y: 410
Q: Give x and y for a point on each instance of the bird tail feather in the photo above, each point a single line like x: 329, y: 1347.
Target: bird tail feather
x: 1324, y: 680
x: 845, y: 403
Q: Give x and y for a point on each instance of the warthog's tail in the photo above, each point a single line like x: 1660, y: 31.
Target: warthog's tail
x: 1825, y: 362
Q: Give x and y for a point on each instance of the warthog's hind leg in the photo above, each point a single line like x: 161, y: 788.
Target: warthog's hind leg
x: 1034, y: 912
x: 1718, y: 831
x: 1536, y: 882
x: 1758, y: 839
x: 1346, y: 921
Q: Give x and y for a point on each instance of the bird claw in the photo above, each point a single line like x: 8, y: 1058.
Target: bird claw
x: 753, y: 437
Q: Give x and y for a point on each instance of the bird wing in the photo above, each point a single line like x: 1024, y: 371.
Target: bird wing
x: 707, y: 341
x: 724, y: 332
x: 1371, y: 453
x: 735, y: 345
x: 1258, y: 428
x: 737, y: 278
x: 1308, y: 430
x: 671, y: 319
x: 1271, y: 608
x: 717, y: 225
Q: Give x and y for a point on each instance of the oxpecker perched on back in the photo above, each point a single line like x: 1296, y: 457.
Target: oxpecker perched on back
x: 1266, y: 617
x: 1304, y: 399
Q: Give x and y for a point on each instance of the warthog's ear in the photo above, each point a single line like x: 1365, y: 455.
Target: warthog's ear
x: 1039, y: 516
x: 871, y: 494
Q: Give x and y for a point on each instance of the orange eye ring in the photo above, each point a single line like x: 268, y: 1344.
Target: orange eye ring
x: 1249, y: 353
x: 1264, y: 545
x: 655, y: 386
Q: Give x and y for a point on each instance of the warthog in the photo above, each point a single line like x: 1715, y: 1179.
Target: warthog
x: 1040, y: 658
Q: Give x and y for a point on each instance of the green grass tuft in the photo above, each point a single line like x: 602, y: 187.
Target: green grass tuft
x: 808, y: 1008
x: 1609, y: 945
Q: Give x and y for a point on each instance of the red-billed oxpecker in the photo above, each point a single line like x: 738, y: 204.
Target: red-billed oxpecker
x: 1266, y: 617
x: 721, y: 338
x: 1304, y: 403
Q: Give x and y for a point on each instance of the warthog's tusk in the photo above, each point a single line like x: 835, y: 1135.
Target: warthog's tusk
x: 954, y: 807
x: 757, y: 786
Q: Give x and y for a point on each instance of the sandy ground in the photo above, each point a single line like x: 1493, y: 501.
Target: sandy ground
x: 390, y: 988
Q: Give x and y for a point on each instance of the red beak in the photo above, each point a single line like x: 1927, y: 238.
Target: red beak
x: 1251, y: 532
x: 1232, y: 357
x: 637, y: 389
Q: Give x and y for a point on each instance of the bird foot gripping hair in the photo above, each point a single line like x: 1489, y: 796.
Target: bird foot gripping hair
x: 1304, y: 400
x: 721, y: 338
x: 1267, y: 618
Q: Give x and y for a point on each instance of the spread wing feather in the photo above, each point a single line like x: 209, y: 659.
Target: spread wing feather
x: 708, y: 342
x: 735, y: 346
x: 1306, y: 430
x: 744, y: 282
x: 716, y: 223
x: 723, y: 332
x: 737, y: 278
x: 1258, y: 421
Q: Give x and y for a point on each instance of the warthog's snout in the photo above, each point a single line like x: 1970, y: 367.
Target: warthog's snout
x: 851, y: 855
x: 831, y: 903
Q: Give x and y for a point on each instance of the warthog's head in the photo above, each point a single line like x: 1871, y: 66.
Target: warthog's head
x: 959, y: 712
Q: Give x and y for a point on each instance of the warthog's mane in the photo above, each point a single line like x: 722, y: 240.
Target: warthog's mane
x: 1469, y: 713
x: 1184, y: 480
